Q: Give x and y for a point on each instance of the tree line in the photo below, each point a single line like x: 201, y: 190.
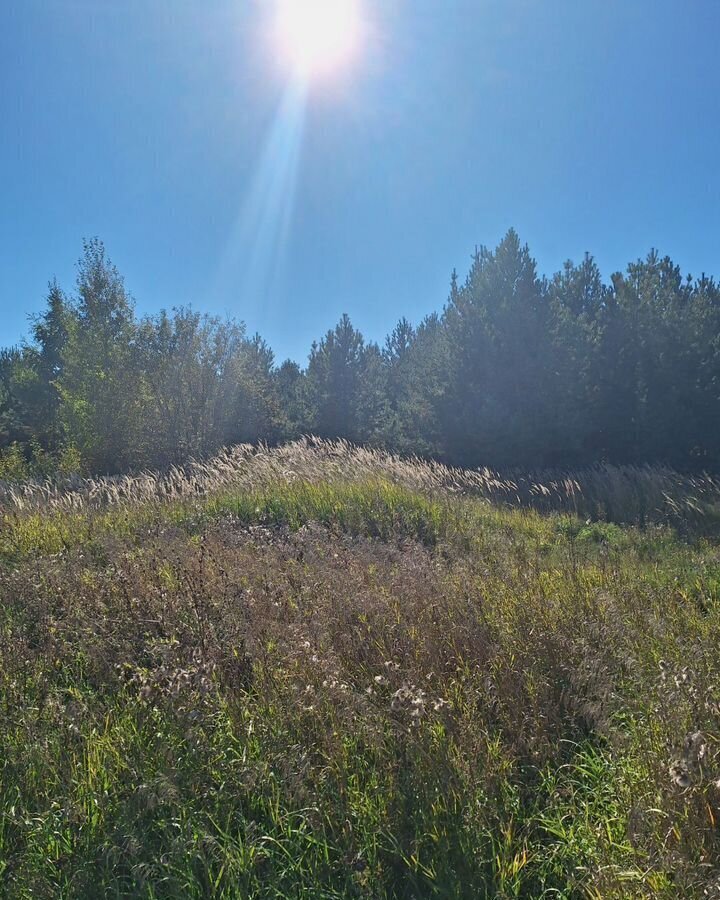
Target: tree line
x: 516, y: 370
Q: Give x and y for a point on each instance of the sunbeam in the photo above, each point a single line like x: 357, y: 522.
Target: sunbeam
x: 253, y: 257
x: 310, y: 39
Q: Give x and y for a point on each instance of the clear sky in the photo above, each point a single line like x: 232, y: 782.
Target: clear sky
x: 173, y: 130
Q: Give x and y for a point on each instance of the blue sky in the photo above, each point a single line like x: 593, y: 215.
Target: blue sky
x: 167, y: 128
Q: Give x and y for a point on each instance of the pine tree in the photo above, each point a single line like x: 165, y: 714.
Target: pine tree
x: 333, y: 382
x: 100, y: 381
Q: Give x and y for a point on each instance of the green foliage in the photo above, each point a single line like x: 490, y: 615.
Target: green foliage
x: 517, y: 371
x: 497, y: 390
x: 18, y: 463
x: 378, y: 509
x: 345, y: 386
x: 13, y: 465
x: 322, y: 671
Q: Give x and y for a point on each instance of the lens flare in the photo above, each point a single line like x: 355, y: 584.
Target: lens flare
x: 316, y: 37
x: 252, y: 263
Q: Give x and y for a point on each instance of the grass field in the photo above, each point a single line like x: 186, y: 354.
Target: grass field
x: 320, y: 672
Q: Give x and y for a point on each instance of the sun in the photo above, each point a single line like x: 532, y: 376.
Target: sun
x: 316, y: 37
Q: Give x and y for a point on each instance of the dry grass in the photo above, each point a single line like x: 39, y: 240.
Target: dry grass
x: 627, y: 494
x: 323, y: 672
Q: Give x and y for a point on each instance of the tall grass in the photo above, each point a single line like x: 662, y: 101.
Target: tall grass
x: 339, y: 679
x: 626, y: 494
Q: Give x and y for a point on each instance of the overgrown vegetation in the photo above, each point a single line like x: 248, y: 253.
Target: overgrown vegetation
x: 516, y: 371
x: 325, y: 672
x: 625, y: 494
x: 308, y: 670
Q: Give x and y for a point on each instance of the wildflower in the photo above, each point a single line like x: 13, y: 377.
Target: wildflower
x: 400, y: 697
x: 679, y: 774
x: 695, y: 749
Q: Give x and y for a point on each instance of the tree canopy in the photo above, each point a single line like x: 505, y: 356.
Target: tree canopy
x: 514, y: 370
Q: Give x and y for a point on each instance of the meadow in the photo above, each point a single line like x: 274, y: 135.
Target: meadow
x: 319, y: 671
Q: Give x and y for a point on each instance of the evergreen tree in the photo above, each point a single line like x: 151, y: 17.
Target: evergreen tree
x: 516, y: 371
x: 333, y: 382
x: 14, y: 418
x: 495, y: 407
x: 578, y: 299
x: 290, y: 391
x: 50, y: 337
x: 100, y: 382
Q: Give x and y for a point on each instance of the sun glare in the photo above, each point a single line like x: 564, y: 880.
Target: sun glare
x: 316, y: 37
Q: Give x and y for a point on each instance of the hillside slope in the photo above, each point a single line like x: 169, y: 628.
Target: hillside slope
x: 320, y: 672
